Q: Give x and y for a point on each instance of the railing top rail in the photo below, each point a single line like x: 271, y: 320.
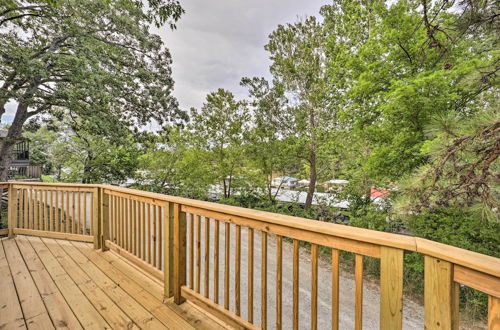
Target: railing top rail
x: 486, y: 264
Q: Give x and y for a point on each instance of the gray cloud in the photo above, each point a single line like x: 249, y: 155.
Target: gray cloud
x: 219, y: 42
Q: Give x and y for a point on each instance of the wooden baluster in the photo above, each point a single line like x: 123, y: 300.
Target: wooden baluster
x: 207, y: 257
x: 79, y: 228
x: 216, y: 261
x: 135, y: 220
x: 114, y: 218
x: 295, y: 284
x: 73, y: 211
x: 148, y: 244
x: 314, y: 286
x: 105, y: 217
x: 161, y: 224
x: 198, y: 255
x: 263, y: 295
x: 155, y: 236
x: 96, y: 232
x: 19, y: 217
x: 335, y: 289
x: 179, y: 253
x: 250, y: 275
x: 140, y: 207
x: 56, y: 212
x: 36, y: 218
x: 358, y: 275
x: 237, y: 265
x: 25, y: 206
x: 40, y: 210
x: 120, y: 221
x: 279, y: 271
x: 84, y: 213
x: 227, y: 232
x: 68, y: 213
x: 11, y: 211
x: 191, y: 251
x: 45, y: 211
x: 391, y: 288
x: 51, y: 211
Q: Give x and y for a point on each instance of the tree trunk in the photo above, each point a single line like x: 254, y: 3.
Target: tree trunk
x: 312, y: 180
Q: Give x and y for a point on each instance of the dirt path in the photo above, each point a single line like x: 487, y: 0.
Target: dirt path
x: 412, y: 312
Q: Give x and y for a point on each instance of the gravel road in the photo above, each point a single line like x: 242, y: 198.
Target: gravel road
x: 412, y: 312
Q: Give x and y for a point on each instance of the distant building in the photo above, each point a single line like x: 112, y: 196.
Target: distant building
x: 378, y: 193
x: 336, y: 185
x: 20, y: 160
x: 285, y: 182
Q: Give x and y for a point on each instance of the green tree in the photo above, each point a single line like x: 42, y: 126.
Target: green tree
x: 87, y: 57
x: 298, y: 64
x: 218, y: 128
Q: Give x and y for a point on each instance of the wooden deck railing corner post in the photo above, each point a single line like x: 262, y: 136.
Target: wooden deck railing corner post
x: 104, y: 218
x: 440, y: 295
x: 96, y: 214
x: 168, y: 245
x: 11, y: 210
x: 179, y: 267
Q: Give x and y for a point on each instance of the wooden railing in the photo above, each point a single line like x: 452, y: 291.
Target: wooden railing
x: 180, y: 242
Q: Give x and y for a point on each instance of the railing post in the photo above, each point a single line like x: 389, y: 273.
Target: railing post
x: 179, y: 253
x: 168, y: 249
x: 440, y: 295
x: 11, y: 211
x: 391, y: 288
x: 96, y: 215
x: 104, y: 213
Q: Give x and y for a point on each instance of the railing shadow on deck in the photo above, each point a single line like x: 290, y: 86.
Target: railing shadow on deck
x: 162, y: 235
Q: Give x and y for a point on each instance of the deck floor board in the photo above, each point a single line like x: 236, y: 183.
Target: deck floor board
x: 47, y: 283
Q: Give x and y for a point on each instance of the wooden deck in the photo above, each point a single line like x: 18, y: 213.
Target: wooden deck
x: 47, y: 283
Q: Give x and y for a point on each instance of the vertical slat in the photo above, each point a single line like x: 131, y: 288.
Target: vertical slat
x: 198, y: 255
x: 216, y: 260
x: 40, y: 210
x: 139, y: 226
x: 134, y: 227
x: 67, y: 213
x: 79, y: 228
x: 95, y: 219
x: 227, y: 232
x: 56, y: 212
x: 25, y: 206
x: 263, y: 294
x: 36, y: 217
x: 143, y: 223
x: 250, y: 275
x: 314, y: 286
x: 439, y: 294
x: 358, y: 275
x: 493, y: 313
x: 179, y: 253
x: 335, y: 289
x: 237, y: 277
x: 191, y: 251
x: 128, y: 223
x: 73, y: 211
x: 295, y: 284
x: 85, y: 213
x: 148, y: 243
x: 391, y: 288
x: 30, y: 209
x: 161, y: 223
x: 207, y: 257
x: 155, y: 237
x: 279, y: 272
x: 51, y: 211
x: 45, y: 211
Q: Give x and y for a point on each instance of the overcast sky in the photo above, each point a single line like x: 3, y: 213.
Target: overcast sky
x: 219, y: 42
